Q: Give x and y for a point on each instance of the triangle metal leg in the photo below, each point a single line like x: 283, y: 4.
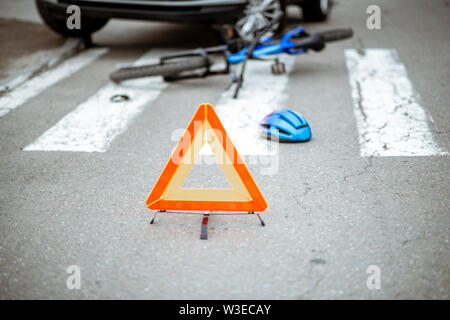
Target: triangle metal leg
x: 263, y: 224
x: 154, y: 216
x: 204, y: 232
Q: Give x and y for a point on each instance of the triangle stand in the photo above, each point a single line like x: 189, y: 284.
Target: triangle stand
x: 167, y: 195
x: 205, y: 220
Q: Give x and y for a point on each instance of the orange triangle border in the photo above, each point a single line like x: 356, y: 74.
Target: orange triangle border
x: 156, y: 201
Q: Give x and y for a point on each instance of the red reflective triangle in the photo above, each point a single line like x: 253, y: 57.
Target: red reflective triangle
x: 167, y: 194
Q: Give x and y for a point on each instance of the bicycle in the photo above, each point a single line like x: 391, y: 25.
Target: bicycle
x: 198, y: 62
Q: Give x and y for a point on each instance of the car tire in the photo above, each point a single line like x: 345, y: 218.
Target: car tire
x: 283, y: 20
x: 257, y: 15
x: 166, y: 69
x: 315, y: 10
x: 89, y: 25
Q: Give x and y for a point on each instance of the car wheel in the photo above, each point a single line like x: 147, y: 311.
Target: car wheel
x: 57, y: 23
x: 259, y: 13
x: 315, y: 10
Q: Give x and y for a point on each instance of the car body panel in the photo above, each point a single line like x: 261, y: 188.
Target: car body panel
x: 194, y: 11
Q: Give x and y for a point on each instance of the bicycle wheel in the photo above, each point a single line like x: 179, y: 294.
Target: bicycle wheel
x: 160, y: 69
x: 336, y: 34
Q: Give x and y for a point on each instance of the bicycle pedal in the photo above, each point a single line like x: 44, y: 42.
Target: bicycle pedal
x: 278, y: 68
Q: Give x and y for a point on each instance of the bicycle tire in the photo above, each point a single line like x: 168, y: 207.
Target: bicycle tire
x: 160, y: 69
x: 336, y: 34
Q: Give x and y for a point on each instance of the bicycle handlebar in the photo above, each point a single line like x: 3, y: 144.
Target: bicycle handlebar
x: 317, y: 41
x: 336, y: 34
x: 314, y: 42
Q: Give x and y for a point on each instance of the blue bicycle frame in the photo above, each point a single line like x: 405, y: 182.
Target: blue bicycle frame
x: 267, y: 48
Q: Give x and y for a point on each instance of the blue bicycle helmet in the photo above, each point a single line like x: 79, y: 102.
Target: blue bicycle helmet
x: 286, y: 125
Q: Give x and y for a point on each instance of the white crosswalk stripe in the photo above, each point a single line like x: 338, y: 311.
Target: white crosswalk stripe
x: 31, y: 88
x: 390, y: 119
x: 32, y: 64
x: 94, y: 124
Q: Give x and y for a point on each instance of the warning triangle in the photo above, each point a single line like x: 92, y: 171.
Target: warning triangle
x: 167, y: 194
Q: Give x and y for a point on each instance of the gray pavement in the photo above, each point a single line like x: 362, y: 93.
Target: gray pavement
x: 331, y: 213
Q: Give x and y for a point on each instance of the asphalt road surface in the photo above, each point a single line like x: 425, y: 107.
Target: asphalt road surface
x: 76, y: 169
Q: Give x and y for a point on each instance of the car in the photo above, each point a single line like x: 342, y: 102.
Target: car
x: 243, y: 14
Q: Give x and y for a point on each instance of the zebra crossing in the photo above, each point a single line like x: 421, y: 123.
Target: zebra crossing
x: 34, y: 86
x: 94, y: 124
x: 388, y: 113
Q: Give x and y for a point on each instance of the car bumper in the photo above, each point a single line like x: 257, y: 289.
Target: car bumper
x: 207, y: 11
